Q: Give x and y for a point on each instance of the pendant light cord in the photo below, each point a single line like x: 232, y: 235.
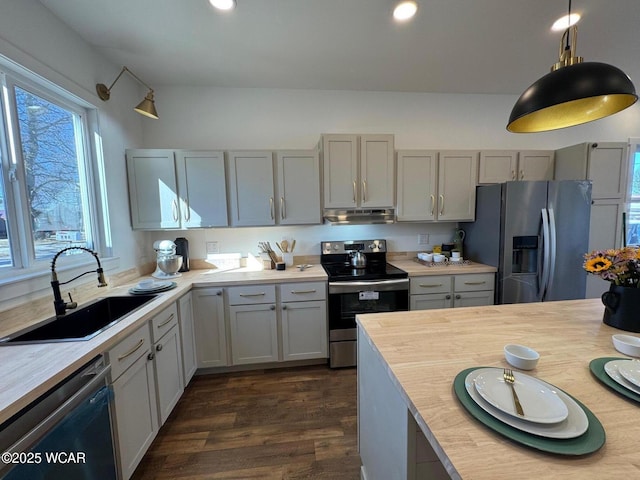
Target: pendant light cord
x: 568, y: 22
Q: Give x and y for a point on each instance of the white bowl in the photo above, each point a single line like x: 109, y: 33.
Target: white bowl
x: 627, y: 344
x: 521, y: 357
x: 438, y: 258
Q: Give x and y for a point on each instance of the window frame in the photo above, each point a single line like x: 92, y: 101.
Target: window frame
x: 632, y: 151
x: 25, y: 263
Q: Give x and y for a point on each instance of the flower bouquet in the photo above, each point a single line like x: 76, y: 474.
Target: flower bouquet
x: 619, y: 266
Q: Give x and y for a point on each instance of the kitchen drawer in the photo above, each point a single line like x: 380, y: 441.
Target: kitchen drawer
x: 430, y: 284
x: 163, y: 322
x: 301, y: 292
x: 473, y: 282
x: 252, y: 294
x: 125, y: 354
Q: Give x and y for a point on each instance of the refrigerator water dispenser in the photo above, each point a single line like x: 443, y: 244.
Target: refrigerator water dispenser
x: 525, y: 254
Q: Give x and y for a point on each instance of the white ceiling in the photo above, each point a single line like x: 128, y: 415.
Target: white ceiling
x: 452, y: 46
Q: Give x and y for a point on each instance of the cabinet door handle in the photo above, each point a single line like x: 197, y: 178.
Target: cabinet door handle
x: 131, y: 352
x: 303, y: 291
x: 448, y: 297
x: 441, y: 204
x: 158, y: 347
x: 174, y: 210
x: 430, y: 285
x: 364, y: 190
x: 271, y: 208
x: 354, y: 191
x: 513, y: 174
x: 168, y: 320
x: 272, y: 307
x: 187, y: 213
x: 433, y: 203
x: 283, y: 213
x: 458, y: 297
x: 219, y: 292
x: 261, y: 294
x: 151, y: 356
x: 284, y: 307
x: 475, y: 283
x: 521, y: 174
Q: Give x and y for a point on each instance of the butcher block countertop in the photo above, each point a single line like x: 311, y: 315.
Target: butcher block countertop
x: 423, y: 351
x: 415, y: 268
x: 28, y: 371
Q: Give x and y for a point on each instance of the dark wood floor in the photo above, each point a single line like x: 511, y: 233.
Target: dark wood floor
x: 268, y: 424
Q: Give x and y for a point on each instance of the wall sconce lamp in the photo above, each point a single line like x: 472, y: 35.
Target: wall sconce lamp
x: 572, y: 94
x: 146, y: 107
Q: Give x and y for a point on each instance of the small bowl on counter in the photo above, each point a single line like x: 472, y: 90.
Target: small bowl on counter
x: 520, y: 356
x: 627, y: 344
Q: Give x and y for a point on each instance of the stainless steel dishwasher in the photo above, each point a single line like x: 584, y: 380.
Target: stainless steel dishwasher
x: 66, y: 433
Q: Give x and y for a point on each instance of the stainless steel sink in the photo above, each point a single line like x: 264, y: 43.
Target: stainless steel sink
x: 82, y: 324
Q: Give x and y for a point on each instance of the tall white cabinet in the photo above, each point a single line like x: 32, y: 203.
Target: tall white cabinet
x: 176, y: 189
x: 606, y: 164
x: 358, y: 171
x: 435, y: 185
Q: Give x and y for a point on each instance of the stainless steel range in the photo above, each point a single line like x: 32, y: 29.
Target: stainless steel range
x: 360, y: 281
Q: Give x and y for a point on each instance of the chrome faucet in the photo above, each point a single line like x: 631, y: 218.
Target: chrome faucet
x: 60, y: 305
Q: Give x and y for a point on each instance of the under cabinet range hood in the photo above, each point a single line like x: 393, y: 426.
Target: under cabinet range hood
x: 360, y: 216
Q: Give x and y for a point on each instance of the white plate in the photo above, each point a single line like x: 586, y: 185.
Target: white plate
x: 573, y: 426
x: 152, y: 286
x: 540, y: 404
x: 612, y: 370
x: 630, y: 370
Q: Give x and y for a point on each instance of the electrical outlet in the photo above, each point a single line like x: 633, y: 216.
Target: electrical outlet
x: 212, y: 247
x: 423, y: 239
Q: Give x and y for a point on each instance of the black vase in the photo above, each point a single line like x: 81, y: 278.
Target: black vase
x: 622, y: 308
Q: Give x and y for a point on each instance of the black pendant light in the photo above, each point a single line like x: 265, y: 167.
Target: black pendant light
x: 573, y: 93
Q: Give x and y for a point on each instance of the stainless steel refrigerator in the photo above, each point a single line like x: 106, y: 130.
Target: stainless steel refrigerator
x: 536, y: 234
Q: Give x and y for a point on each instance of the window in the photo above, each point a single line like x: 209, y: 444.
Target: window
x: 46, y: 190
x: 633, y: 212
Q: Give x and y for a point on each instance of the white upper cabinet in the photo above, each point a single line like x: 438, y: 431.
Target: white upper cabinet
x: 457, y: 179
x: 358, y: 171
x: 298, y: 187
x: 417, y: 185
x: 436, y: 185
x: 202, y: 188
x: 176, y: 189
x: 497, y: 166
x: 605, y: 164
x: 251, y: 188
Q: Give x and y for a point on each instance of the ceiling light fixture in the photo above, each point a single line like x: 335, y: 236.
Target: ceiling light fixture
x: 573, y: 93
x: 146, y: 107
x: 223, y: 4
x: 405, y: 10
x: 565, y: 22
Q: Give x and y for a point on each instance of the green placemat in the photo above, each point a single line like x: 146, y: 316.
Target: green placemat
x: 597, y: 369
x: 588, y: 442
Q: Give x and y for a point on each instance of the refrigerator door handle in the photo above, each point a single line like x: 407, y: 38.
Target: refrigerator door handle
x: 553, y: 248
x: 545, y: 254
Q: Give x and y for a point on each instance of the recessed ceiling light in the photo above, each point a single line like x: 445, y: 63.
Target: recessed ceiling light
x: 405, y: 10
x: 223, y: 4
x: 565, y: 22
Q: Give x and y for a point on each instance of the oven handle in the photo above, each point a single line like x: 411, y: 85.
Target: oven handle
x: 382, y: 285
x: 31, y: 438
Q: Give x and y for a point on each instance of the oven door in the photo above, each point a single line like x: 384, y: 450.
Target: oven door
x: 348, y: 299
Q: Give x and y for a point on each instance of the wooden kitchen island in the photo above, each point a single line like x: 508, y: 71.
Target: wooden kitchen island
x: 411, y: 424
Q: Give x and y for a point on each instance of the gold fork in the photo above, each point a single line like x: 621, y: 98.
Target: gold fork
x: 507, y: 374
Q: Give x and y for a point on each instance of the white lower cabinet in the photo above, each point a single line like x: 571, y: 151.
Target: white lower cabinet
x: 146, y: 373
x: 209, y: 326
x: 167, y: 360
x: 447, y: 291
x: 134, y: 389
x: 187, y: 337
x: 283, y: 323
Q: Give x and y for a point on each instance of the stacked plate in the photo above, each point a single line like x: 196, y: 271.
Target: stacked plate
x: 625, y: 373
x: 146, y: 288
x: 549, y: 412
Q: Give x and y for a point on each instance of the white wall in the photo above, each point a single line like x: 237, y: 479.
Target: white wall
x: 32, y: 37
x: 234, y: 118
